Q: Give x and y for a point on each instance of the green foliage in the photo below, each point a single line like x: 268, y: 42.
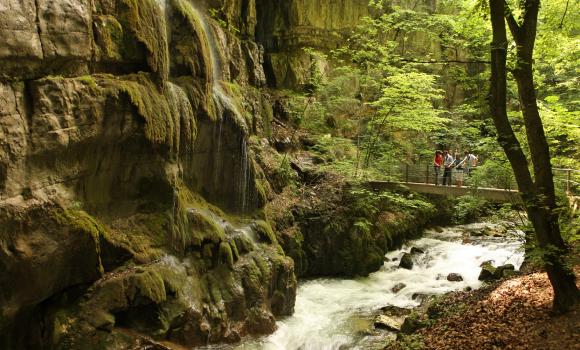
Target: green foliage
x: 366, y: 203
x: 411, y: 342
x: 469, y: 208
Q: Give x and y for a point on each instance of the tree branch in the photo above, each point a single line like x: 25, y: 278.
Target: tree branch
x: 564, y: 15
x: 515, y: 28
x: 408, y: 60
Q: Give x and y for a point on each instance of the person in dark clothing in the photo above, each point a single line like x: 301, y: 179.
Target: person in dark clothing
x: 447, y: 165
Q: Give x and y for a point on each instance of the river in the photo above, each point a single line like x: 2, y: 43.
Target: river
x: 339, y: 313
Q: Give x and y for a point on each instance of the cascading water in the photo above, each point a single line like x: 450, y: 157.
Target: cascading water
x: 339, y: 314
x: 225, y: 106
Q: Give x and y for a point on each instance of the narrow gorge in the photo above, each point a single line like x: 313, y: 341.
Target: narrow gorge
x: 173, y: 171
x: 132, y: 178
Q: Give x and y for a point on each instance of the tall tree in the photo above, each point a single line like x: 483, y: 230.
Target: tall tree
x: 538, y: 191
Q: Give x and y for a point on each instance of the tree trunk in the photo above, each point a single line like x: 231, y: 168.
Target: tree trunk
x: 539, y: 196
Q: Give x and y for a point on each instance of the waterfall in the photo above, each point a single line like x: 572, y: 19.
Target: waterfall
x: 224, y: 107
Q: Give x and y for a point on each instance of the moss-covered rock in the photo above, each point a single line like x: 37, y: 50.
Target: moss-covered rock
x: 145, y: 21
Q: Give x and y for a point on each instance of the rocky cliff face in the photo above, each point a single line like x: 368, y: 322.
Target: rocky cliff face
x: 286, y: 28
x: 124, y: 140
x: 132, y: 193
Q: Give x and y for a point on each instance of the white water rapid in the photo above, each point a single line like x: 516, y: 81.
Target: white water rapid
x: 338, y: 313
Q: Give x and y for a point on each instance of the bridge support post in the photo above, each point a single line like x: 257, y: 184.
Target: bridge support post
x: 427, y: 174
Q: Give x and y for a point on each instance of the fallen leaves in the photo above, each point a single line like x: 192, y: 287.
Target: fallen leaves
x: 516, y: 314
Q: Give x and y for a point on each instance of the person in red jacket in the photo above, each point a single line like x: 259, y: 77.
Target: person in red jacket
x: 437, y: 163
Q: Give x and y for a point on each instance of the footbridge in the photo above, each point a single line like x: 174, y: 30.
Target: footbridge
x: 492, y: 194
x: 422, y: 179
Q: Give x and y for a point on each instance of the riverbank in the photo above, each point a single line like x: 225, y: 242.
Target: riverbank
x: 514, y: 313
x: 338, y: 313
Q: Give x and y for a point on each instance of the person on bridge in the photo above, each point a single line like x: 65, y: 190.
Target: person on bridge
x: 469, y: 162
x: 447, y: 165
x: 458, y: 166
x: 437, y: 163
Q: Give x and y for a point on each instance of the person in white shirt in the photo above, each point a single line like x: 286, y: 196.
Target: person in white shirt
x: 447, y: 165
x: 469, y: 162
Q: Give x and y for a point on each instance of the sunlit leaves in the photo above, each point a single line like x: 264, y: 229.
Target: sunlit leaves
x: 407, y: 101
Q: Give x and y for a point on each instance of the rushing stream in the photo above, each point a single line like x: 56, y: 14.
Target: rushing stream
x: 339, y: 313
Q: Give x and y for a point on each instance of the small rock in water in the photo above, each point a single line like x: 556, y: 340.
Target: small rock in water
x: 397, y: 288
x: 394, y: 259
x: 454, y: 277
x: 468, y: 289
x: 406, y: 261
x: 438, y: 229
x: 388, y: 323
x: 416, y: 250
x: 421, y: 297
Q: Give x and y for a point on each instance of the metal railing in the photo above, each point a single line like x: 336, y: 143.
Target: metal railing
x: 566, y: 181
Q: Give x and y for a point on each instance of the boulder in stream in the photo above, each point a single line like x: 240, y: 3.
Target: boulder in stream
x: 504, y: 271
x: 454, y: 277
x: 398, y: 287
x: 406, y: 261
x: 416, y: 250
x: 487, y: 272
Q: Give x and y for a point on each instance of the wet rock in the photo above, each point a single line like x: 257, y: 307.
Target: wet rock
x: 423, y: 298
x: 468, y: 289
x: 398, y: 287
x: 283, y: 145
x: 388, y: 323
x: 411, y: 324
x: 477, y: 233
x: 454, y: 277
x: 395, y: 311
x: 487, y: 272
x: 487, y: 262
x: 416, y: 250
x: 495, y: 231
x: 406, y: 261
x: 438, y: 229
x: 504, y: 271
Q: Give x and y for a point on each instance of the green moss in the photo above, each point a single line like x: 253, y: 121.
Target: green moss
x: 88, y: 81
x: 193, y: 221
x: 265, y: 232
x: 146, y: 287
x: 146, y: 21
x: 225, y: 254
x: 150, y: 103
x: 208, y: 251
x: 235, y: 250
x: 183, y: 119
x: 81, y: 221
x: 261, y: 197
x: 109, y: 37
